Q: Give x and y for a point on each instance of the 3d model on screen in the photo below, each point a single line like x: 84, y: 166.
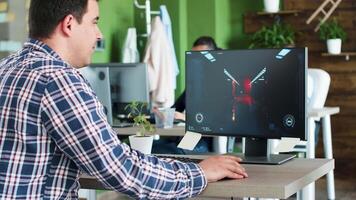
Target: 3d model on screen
x: 259, y: 92
x: 242, y: 93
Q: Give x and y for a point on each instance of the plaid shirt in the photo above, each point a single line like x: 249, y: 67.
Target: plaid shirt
x: 53, y: 128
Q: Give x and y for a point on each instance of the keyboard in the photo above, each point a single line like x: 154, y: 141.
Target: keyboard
x: 122, y: 125
x: 270, y: 160
x: 182, y: 159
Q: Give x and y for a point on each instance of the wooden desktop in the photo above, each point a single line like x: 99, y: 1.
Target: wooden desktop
x: 175, y: 131
x: 264, y: 181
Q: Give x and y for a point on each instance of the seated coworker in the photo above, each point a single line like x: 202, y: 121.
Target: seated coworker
x: 201, y: 44
x: 169, y: 145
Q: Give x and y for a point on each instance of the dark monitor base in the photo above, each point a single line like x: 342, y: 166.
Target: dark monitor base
x: 272, y: 159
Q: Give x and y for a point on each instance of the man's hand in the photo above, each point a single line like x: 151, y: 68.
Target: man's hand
x: 219, y: 167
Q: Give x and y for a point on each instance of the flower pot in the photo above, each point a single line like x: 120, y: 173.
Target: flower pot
x: 334, y: 46
x: 271, y: 6
x: 141, y: 143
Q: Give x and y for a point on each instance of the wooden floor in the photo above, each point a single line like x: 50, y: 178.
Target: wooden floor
x: 345, y: 190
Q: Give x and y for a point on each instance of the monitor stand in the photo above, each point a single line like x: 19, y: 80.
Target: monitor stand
x: 256, y: 153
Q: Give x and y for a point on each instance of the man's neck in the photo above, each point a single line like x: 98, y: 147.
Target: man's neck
x: 60, y: 47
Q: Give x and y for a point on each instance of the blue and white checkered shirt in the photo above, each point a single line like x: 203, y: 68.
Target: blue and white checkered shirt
x: 53, y: 128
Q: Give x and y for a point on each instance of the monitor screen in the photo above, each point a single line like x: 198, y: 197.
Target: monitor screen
x: 247, y: 93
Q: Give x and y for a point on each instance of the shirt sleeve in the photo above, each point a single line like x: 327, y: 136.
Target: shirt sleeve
x: 74, y: 119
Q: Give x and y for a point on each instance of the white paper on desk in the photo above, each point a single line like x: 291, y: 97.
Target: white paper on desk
x: 286, y: 144
x: 189, y: 141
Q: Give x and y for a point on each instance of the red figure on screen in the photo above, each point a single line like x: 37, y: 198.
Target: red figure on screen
x: 245, y: 97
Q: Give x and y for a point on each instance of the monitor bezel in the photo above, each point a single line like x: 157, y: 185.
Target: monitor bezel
x: 260, y: 136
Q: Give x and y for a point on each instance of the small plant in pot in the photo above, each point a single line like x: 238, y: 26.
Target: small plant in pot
x: 276, y: 36
x: 141, y: 141
x: 333, y: 33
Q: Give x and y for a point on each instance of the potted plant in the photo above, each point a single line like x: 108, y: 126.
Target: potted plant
x: 334, y: 34
x: 271, y: 6
x: 141, y: 141
x: 276, y: 36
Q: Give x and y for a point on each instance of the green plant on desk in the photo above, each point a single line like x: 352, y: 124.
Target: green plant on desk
x: 136, y: 112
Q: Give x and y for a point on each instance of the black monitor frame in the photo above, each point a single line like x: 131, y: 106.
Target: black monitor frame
x: 256, y: 144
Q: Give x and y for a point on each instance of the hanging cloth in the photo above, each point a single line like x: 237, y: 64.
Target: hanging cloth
x: 130, y: 52
x: 159, y: 59
x: 166, y: 20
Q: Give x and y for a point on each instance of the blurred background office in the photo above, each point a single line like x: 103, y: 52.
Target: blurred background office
x: 231, y: 23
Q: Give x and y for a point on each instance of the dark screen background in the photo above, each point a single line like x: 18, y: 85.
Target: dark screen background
x: 277, y: 96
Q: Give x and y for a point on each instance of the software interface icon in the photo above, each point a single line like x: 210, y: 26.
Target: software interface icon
x: 253, y: 93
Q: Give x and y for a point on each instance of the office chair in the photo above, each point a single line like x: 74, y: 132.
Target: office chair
x: 318, y: 87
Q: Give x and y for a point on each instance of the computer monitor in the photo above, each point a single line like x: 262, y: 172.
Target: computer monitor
x: 258, y: 94
x: 118, y: 84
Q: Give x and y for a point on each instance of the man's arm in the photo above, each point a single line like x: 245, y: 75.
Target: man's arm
x: 74, y: 118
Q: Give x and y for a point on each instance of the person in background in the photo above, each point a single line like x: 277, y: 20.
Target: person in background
x: 168, y: 145
x: 53, y: 127
x: 201, y: 44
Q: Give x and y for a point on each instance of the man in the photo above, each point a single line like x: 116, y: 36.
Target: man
x: 53, y: 128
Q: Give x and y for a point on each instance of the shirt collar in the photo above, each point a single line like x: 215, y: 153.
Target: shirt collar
x: 38, y: 45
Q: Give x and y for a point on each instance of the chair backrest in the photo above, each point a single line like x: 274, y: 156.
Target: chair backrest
x: 317, y: 88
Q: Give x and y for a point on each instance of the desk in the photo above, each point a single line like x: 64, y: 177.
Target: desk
x: 175, y: 131
x: 219, y: 143
x: 321, y: 112
x: 264, y: 181
x: 180, y: 130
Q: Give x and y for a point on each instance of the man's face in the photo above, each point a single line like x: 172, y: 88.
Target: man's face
x: 85, y: 36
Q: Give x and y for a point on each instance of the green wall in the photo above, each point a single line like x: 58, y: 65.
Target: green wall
x: 223, y: 23
x: 116, y: 16
x: 237, y: 8
x: 221, y: 19
x: 201, y: 20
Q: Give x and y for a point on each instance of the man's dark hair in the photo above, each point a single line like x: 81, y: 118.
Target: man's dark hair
x: 206, y: 40
x: 45, y: 15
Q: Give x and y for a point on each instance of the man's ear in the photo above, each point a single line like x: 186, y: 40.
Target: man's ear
x: 67, y: 25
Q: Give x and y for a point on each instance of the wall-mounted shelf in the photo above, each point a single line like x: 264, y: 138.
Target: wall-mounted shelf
x: 282, y: 12
x: 346, y: 54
